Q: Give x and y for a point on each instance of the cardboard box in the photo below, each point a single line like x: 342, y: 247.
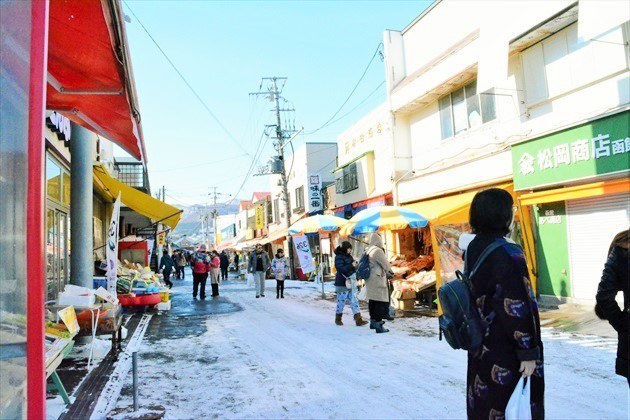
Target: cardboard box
x: 407, y: 304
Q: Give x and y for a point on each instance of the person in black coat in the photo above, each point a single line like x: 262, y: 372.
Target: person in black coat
x: 346, y: 267
x: 616, y: 279
x: 225, y: 263
x: 512, y: 346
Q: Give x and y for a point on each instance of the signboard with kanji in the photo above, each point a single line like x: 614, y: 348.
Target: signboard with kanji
x: 260, y: 217
x: 315, y: 192
x: 601, y: 147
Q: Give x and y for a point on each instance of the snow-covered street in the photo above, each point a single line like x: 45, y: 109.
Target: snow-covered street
x: 243, y: 357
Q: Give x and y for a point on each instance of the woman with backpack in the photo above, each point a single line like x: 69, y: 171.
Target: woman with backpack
x: 346, y: 267
x: 376, y: 284
x: 511, y: 346
x: 617, y: 279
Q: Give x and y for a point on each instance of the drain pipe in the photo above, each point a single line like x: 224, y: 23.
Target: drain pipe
x: 134, y: 363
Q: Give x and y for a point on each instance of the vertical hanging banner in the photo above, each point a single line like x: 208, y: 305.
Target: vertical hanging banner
x: 303, y: 251
x: 315, y: 192
x: 161, y: 238
x: 111, y: 248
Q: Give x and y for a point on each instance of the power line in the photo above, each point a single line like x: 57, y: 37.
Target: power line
x: 259, y: 151
x: 200, y: 164
x: 194, y: 92
x: 359, y: 104
x: 378, y: 48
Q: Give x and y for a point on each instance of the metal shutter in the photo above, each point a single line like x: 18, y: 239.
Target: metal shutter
x: 592, y: 224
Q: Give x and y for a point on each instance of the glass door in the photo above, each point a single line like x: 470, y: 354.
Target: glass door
x: 52, y: 270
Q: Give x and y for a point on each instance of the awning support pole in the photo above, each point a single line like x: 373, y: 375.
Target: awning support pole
x: 81, y: 207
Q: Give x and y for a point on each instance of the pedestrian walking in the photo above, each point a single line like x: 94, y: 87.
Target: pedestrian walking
x: 377, y: 292
x: 279, y: 268
x: 617, y: 279
x: 512, y: 345
x: 346, y: 267
x: 225, y: 263
x: 200, y: 267
x: 166, y: 266
x: 215, y: 272
x: 176, y: 264
x: 258, y: 265
x: 181, y: 262
x: 236, y: 259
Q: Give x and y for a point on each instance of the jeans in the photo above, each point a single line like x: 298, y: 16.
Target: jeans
x: 347, y: 295
x: 199, y: 279
x: 259, y: 279
x: 224, y: 273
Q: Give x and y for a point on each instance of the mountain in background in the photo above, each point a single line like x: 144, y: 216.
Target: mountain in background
x: 190, y: 223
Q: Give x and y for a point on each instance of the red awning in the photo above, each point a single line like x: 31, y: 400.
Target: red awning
x: 90, y: 79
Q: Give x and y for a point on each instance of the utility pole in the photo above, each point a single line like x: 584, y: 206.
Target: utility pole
x: 215, y: 211
x: 275, y: 91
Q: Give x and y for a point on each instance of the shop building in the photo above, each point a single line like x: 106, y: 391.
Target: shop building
x: 309, y: 173
x: 65, y: 89
x: 575, y: 183
x: 462, y: 95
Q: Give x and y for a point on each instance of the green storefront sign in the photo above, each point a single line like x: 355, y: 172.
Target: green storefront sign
x: 587, y: 151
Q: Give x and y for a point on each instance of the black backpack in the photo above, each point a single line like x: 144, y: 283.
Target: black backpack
x: 460, y: 321
x: 363, y: 268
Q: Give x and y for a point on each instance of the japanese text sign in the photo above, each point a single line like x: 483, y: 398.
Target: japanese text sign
x: 303, y: 251
x: 598, y: 148
x: 315, y: 192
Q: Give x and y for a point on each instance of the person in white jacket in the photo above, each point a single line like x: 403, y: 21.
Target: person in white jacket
x: 280, y: 268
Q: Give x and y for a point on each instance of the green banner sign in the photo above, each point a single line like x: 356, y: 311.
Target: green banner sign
x: 587, y: 151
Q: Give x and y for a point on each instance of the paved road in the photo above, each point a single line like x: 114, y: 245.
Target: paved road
x: 242, y: 357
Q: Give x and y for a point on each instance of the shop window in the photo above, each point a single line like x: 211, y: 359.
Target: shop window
x: 53, y: 180
x: 65, y: 189
x: 276, y: 210
x: 564, y: 62
x: 299, y: 199
x: 57, y: 252
x: 464, y: 109
x: 349, y: 179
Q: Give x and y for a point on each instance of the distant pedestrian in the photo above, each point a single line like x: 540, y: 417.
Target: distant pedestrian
x: 166, y: 266
x: 346, y: 267
x: 512, y: 345
x: 259, y: 263
x: 279, y: 268
x: 236, y: 260
x: 176, y: 264
x: 182, y: 262
x: 376, y: 284
x: 215, y: 272
x: 617, y: 279
x: 201, y: 267
x: 225, y: 263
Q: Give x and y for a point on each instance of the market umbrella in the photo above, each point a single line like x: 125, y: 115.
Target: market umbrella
x: 318, y: 223
x: 376, y: 219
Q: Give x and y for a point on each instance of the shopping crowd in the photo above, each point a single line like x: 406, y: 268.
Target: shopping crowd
x: 500, y: 290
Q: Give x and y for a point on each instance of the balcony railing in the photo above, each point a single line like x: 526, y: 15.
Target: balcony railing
x: 133, y: 174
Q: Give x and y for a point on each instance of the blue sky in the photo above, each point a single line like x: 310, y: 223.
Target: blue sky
x: 223, y: 49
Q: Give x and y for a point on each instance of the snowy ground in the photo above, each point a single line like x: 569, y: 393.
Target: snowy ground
x: 287, y: 359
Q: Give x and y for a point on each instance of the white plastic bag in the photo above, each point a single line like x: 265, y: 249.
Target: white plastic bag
x: 250, y: 280
x: 362, y: 295
x: 518, y: 408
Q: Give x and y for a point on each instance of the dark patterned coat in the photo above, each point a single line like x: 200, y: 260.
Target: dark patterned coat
x: 505, y: 299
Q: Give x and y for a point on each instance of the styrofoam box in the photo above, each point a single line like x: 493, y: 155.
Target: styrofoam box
x: 164, y: 306
x: 80, y: 301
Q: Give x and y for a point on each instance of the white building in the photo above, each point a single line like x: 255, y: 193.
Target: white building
x: 541, y: 72
x: 367, y: 163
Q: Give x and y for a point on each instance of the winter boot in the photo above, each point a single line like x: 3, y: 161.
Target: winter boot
x: 373, y: 324
x: 380, y: 329
x: 338, y: 319
x: 359, y: 320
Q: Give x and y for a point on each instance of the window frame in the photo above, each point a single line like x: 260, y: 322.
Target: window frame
x: 470, y: 103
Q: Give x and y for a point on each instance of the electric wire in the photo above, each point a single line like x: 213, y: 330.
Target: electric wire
x: 376, y: 52
x: 199, y: 164
x: 194, y: 92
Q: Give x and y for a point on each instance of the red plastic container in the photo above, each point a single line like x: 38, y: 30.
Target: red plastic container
x: 140, y: 300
